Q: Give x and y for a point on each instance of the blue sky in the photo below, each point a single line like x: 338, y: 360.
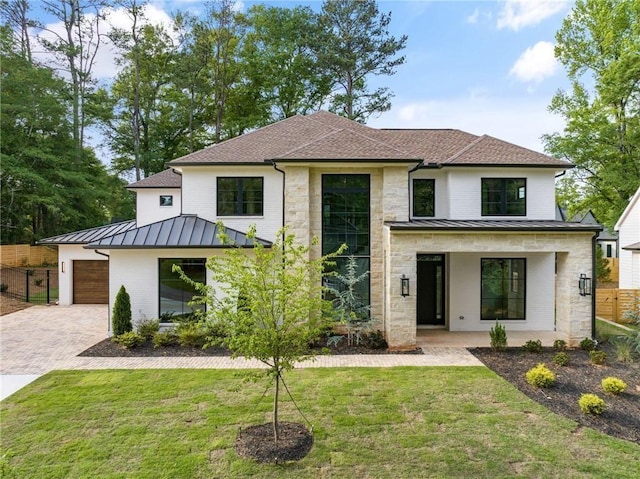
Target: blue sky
x: 485, y: 67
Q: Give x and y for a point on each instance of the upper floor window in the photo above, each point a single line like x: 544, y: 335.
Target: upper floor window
x: 166, y: 200
x: 240, y: 196
x: 424, y: 197
x: 504, y: 197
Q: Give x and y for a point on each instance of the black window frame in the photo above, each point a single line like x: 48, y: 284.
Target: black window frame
x: 430, y: 212
x: 176, y: 277
x: 239, y: 203
x: 163, y: 201
x: 504, y: 203
x: 510, y: 284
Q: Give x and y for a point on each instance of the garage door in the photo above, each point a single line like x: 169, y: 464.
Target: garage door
x: 90, y: 282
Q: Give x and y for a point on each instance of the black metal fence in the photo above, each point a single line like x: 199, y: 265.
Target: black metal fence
x: 34, y: 285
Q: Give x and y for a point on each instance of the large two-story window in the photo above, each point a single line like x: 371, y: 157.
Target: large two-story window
x: 424, y: 190
x: 503, y: 285
x: 175, y: 293
x: 240, y: 196
x: 504, y: 197
x: 346, y: 218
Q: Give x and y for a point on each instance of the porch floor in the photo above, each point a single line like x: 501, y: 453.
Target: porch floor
x: 429, y: 338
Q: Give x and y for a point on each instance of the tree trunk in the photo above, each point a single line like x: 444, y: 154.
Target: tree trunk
x: 276, y: 431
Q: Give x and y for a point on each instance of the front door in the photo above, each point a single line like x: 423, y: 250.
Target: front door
x: 430, y: 290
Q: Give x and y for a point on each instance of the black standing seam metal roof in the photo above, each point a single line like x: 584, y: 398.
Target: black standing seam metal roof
x: 89, y: 235
x: 490, y: 225
x: 185, y: 231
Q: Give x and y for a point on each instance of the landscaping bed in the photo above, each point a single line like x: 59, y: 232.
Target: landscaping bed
x: 621, y: 418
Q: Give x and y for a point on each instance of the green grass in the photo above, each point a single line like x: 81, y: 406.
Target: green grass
x: 41, y: 296
x: 368, y: 423
x: 606, y: 330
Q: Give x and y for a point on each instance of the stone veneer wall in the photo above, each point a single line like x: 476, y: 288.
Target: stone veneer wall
x: 573, y: 312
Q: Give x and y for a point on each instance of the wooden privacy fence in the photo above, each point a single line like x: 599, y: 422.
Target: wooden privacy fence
x: 27, y: 255
x: 613, y: 303
x: 614, y: 269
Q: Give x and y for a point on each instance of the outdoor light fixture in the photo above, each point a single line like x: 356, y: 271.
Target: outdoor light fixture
x: 404, y: 286
x: 62, y: 267
x: 584, y: 285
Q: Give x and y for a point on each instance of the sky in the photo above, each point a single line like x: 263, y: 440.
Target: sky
x: 485, y: 67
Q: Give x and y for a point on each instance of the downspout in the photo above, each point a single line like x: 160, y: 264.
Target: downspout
x: 275, y: 167
x: 108, y: 309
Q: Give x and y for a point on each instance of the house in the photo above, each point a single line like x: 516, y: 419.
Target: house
x: 628, y: 228
x: 607, y: 240
x: 456, y: 230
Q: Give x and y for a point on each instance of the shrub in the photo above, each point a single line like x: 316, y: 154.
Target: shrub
x: 121, y: 317
x: 540, y: 376
x: 560, y: 345
x: 591, y: 404
x: 498, y: 335
x: 3, y: 287
x: 633, y: 338
x: 190, y: 335
x: 561, y: 358
x: 624, y: 350
x: 164, y: 338
x: 214, y: 332
x: 613, y: 385
x: 37, y: 282
x: 147, y: 328
x: 587, y: 344
x: 533, y: 346
x: 598, y: 357
x: 129, y: 340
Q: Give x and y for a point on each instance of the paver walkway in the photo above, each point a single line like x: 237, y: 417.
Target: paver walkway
x: 43, y: 338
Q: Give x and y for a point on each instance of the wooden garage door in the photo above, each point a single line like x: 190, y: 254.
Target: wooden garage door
x: 90, y: 282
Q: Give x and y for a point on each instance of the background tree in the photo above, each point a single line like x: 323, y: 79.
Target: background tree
x: 283, y: 313
x: 355, y: 45
x: 598, y: 45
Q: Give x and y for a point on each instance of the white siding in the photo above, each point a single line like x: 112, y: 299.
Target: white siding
x: 199, y: 197
x: 66, y: 255
x: 148, y: 209
x: 464, y: 293
x: 465, y: 198
x: 441, y: 191
x: 137, y: 271
x: 628, y: 234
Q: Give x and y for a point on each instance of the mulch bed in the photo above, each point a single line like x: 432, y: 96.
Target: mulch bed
x: 107, y: 348
x: 621, y: 418
x: 257, y: 443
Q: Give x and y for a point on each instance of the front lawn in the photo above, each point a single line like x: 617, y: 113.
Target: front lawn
x: 377, y: 423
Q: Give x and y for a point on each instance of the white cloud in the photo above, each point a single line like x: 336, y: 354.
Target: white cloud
x: 521, y: 120
x: 105, y: 67
x: 535, y: 64
x: 517, y: 14
x: 473, y: 18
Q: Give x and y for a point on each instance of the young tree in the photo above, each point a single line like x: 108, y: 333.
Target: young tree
x: 356, y: 44
x: 121, y: 315
x: 269, y: 303
x: 598, y: 45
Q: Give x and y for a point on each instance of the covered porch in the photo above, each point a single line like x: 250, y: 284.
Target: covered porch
x: 442, y: 338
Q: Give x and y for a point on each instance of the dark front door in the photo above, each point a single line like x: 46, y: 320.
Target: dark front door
x: 430, y: 289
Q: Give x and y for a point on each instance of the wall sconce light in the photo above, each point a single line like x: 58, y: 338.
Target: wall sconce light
x: 584, y: 285
x: 404, y: 286
x: 62, y: 268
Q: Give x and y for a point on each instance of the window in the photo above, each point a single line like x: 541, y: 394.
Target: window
x: 423, y: 197
x: 346, y: 219
x: 240, y: 196
x: 175, y: 293
x: 166, y: 200
x: 609, y: 251
x: 503, y: 284
x: 504, y: 197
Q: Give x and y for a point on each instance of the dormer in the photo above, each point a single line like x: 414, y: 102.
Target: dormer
x: 158, y: 197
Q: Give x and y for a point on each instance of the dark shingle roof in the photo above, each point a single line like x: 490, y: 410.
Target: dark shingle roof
x: 491, y: 225
x: 326, y: 136
x: 185, y: 231
x: 89, y: 235
x: 165, y: 179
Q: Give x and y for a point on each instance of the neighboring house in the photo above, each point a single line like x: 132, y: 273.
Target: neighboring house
x: 607, y: 240
x: 628, y: 228
x: 466, y: 222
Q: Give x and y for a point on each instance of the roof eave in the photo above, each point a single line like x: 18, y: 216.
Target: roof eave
x: 510, y: 165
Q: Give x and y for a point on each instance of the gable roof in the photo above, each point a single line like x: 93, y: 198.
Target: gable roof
x: 165, y: 179
x: 627, y: 211
x: 324, y: 136
x: 91, y: 234
x: 184, y: 231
